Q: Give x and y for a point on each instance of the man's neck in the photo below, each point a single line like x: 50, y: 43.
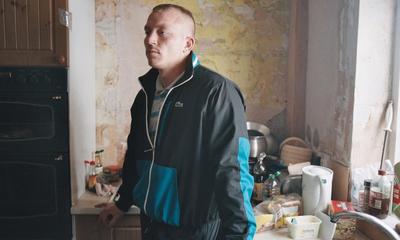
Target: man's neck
x: 169, y: 75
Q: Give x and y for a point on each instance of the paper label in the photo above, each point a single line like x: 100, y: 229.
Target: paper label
x: 258, y: 191
x: 375, y: 199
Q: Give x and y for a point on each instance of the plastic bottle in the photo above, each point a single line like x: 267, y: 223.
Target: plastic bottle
x: 379, y: 197
x: 272, y: 186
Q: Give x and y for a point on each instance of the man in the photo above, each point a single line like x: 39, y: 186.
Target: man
x: 186, y: 165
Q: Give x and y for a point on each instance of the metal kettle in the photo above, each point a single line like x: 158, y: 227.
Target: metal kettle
x: 260, y: 140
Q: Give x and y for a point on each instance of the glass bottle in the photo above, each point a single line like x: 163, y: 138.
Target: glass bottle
x: 367, y: 189
x: 379, y: 197
x: 99, y: 161
x: 259, y: 172
x: 92, y: 177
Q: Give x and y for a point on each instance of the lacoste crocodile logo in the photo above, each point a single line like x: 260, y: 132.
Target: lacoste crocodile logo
x: 179, y: 104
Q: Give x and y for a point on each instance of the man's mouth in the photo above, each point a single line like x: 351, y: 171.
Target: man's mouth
x: 152, y: 52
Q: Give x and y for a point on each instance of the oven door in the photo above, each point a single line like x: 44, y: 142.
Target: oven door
x: 35, y: 196
x: 33, y: 122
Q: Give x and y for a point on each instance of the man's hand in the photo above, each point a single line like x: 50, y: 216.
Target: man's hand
x: 110, y: 214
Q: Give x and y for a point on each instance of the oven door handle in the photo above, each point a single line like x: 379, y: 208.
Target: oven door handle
x: 6, y: 74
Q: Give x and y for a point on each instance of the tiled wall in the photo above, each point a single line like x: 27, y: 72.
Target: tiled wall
x: 245, y: 40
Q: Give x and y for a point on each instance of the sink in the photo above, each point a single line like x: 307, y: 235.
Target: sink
x: 369, y: 220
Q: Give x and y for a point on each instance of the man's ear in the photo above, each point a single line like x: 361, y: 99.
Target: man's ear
x: 190, y: 41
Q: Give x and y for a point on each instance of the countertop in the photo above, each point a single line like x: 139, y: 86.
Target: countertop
x: 282, y: 234
x: 87, y: 201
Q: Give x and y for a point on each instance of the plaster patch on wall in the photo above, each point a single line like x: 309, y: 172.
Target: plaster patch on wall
x: 244, y: 11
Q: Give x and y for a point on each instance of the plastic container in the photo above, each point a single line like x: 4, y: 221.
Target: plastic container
x: 303, y: 227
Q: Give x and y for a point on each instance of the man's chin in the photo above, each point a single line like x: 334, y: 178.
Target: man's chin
x: 154, y: 64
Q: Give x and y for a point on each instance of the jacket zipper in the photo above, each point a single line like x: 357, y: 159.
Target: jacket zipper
x: 155, y: 137
x: 147, y: 127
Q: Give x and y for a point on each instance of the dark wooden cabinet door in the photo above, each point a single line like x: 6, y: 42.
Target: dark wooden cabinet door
x: 31, y: 33
x: 87, y: 227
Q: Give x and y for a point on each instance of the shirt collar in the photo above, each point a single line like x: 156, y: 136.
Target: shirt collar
x: 160, y: 88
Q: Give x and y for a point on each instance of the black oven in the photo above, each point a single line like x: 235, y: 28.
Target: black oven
x: 33, y: 122
x: 35, y: 198
x: 34, y: 110
x: 34, y: 154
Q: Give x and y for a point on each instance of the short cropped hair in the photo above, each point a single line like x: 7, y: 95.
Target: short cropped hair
x: 186, y: 12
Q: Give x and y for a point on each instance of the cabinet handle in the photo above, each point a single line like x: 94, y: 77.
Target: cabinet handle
x: 5, y: 74
x: 56, y: 97
x: 61, y: 59
x: 59, y: 158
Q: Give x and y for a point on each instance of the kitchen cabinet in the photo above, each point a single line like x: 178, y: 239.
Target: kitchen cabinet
x: 33, y: 33
x: 88, y: 228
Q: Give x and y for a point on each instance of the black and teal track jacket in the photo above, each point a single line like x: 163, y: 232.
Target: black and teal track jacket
x: 197, y: 170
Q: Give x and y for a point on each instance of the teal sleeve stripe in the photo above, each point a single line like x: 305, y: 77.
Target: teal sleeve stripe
x: 246, y: 184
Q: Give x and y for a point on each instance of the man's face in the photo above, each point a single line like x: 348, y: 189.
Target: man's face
x: 166, y: 38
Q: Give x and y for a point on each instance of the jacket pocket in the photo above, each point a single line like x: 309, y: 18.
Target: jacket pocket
x: 163, y: 199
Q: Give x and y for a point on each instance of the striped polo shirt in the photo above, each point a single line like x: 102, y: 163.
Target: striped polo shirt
x: 159, y: 97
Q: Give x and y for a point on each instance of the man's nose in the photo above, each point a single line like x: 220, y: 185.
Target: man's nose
x: 151, y: 38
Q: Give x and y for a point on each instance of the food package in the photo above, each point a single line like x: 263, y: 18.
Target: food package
x: 346, y: 227
x: 396, y: 190
x: 339, y: 206
x: 264, y: 222
x: 280, y: 206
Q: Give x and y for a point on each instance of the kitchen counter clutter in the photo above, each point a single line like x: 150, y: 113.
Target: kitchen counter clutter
x: 282, y: 226
x: 273, y: 212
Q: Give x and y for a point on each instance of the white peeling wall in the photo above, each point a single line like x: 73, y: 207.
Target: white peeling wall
x: 330, y: 78
x: 373, y: 79
x: 120, y: 60
x: 81, y: 91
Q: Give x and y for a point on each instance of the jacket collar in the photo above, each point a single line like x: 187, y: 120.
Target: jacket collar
x: 148, y: 80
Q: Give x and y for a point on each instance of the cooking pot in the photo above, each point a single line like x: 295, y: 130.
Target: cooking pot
x: 260, y: 139
x: 258, y: 145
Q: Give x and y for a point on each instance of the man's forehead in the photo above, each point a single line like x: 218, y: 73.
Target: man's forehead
x: 164, y: 17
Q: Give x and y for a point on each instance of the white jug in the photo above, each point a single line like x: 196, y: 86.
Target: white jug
x: 316, y: 188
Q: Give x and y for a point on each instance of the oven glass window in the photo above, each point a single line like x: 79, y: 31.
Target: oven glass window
x: 28, y: 190
x: 21, y: 121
